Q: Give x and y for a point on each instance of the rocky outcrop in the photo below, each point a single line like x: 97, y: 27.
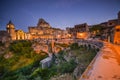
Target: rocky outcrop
x: 78, y: 71
x: 8, y: 55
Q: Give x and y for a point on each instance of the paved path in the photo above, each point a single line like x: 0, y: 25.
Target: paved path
x: 105, y: 66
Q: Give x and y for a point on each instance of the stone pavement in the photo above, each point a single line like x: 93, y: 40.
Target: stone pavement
x: 106, y: 64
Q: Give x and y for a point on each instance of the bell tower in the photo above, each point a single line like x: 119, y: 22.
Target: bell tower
x: 11, y: 30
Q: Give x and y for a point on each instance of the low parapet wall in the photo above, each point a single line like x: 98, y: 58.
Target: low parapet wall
x: 105, y: 65
x: 93, y: 44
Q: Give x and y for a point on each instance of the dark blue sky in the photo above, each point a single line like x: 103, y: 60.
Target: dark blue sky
x: 59, y: 13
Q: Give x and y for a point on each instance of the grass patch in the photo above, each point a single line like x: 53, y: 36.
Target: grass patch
x: 21, y: 63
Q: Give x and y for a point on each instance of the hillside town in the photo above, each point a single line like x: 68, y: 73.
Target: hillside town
x: 43, y: 30
x: 48, y: 53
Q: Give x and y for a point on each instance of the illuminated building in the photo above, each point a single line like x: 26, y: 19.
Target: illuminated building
x: 117, y: 35
x: 11, y: 33
x: 44, y: 31
x: 82, y: 35
x: 15, y: 34
x: 105, y: 30
x: 108, y: 28
x: 80, y: 31
x: 11, y: 30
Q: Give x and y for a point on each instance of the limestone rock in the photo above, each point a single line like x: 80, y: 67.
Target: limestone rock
x: 78, y: 71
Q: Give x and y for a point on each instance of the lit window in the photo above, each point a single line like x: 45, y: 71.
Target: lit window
x: 8, y: 26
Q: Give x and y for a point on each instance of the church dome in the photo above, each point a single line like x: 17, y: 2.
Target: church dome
x: 10, y: 25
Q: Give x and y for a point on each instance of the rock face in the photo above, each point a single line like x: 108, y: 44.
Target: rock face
x: 8, y: 55
x: 4, y: 36
x: 78, y: 71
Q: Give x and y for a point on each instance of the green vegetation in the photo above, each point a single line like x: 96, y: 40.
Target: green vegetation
x: 21, y: 47
x: 68, y: 61
x: 24, y: 62
x: 74, y: 46
x: 83, y: 54
x: 20, y: 62
x: 77, y: 56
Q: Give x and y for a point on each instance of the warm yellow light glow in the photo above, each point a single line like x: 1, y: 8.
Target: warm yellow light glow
x: 8, y: 26
x: 58, y: 36
x: 69, y: 35
x: 80, y: 34
x: 117, y: 34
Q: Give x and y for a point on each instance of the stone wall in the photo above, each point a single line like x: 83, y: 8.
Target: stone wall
x: 90, y: 43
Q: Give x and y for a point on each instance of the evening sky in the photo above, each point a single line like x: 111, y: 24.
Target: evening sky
x: 59, y: 13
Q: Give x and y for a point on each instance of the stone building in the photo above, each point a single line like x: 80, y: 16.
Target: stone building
x: 117, y: 34
x: 46, y: 62
x: 80, y: 31
x: 111, y: 23
x: 4, y: 36
x: 11, y: 30
x: 20, y: 35
x: 11, y: 33
x: 15, y: 34
x: 109, y: 27
x: 43, y: 30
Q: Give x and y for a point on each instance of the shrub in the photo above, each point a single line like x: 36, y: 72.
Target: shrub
x: 74, y: 46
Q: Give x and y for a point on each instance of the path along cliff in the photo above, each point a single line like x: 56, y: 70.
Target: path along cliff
x: 106, y: 64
